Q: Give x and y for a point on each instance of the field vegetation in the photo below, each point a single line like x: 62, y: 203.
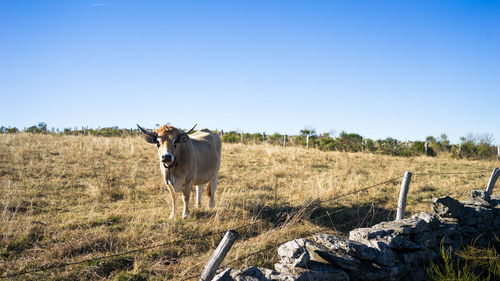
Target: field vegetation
x: 471, y: 146
x: 71, y: 198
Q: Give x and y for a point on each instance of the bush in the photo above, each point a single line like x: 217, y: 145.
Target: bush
x: 350, y: 142
x: 276, y: 138
x: 326, y: 143
x: 370, y: 145
x: 231, y: 137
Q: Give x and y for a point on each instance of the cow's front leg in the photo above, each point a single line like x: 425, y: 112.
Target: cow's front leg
x: 173, y: 196
x: 185, y: 199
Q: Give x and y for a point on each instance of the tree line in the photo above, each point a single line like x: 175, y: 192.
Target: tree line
x: 470, y: 146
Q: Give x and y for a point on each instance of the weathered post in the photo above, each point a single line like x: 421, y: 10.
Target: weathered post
x: 460, y: 151
x: 221, y: 133
x: 363, y: 145
x: 395, y: 146
x: 498, y: 152
x: 263, y: 138
x: 218, y: 255
x: 284, y: 140
x: 493, y: 179
x: 426, y: 148
x: 307, y: 141
x: 241, y: 136
x: 405, y: 185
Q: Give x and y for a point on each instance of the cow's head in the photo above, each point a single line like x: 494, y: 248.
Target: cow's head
x: 169, y: 141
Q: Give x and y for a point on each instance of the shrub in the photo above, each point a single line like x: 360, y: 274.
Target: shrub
x: 326, y: 143
x: 231, y: 137
x: 471, y: 263
x: 370, y: 145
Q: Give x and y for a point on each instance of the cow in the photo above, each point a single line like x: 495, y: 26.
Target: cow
x: 187, y: 160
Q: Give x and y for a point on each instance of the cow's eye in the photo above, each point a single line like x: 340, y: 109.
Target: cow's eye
x: 158, y: 144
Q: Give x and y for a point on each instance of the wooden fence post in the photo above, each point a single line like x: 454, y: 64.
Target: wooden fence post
x: 263, y: 138
x: 395, y: 146
x: 493, y: 180
x: 218, y: 255
x: 284, y: 140
x: 307, y: 141
x: 405, y: 185
x: 363, y: 145
x: 498, y: 152
x: 426, y: 148
x: 241, y: 136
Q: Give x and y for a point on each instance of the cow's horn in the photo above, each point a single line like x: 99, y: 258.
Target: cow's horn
x: 191, y: 129
x: 153, y: 134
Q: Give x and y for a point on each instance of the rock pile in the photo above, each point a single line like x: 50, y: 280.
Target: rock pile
x: 394, y: 250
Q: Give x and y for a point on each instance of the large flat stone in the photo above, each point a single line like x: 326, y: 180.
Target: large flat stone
x: 354, y: 248
x: 340, y: 259
x: 314, y: 271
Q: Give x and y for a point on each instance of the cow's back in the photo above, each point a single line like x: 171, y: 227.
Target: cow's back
x: 207, y: 148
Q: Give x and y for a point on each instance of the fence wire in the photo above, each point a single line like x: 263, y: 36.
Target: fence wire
x: 274, y: 245
x: 450, y: 173
x: 328, y: 214
x: 61, y: 265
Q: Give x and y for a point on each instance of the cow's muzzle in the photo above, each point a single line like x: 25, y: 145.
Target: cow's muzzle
x: 167, y: 158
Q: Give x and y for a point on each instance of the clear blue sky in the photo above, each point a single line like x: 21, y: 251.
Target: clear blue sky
x: 405, y: 69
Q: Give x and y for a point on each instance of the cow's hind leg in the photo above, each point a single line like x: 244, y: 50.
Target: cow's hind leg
x: 211, y: 186
x: 199, y: 191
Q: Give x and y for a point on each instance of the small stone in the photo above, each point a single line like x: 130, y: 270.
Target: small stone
x: 277, y: 276
x: 387, y: 257
x: 469, y: 229
x: 425, y: 239
x: 430, y: 219
x: 294, y: 252
x: 417, y: 257
x: 480, y: 195
x: 224, y: 275
x: 447, y: 207
x: 250, y: 274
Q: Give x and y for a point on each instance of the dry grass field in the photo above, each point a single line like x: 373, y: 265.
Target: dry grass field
x: 66, y: 199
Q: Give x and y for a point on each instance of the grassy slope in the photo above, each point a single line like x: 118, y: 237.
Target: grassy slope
x: 67, y: 198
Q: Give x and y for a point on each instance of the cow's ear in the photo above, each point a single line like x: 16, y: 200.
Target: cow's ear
x: 150, y: 136
x: 184, y: 137
x: 151, y: 139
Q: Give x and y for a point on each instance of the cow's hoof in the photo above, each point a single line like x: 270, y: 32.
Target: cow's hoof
x: 185, y: 216
x: 211, y: 204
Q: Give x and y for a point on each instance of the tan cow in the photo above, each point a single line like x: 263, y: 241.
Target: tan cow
x: 187, y: 160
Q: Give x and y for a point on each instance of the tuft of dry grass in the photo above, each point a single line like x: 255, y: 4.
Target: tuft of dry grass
x: 70, y: 198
